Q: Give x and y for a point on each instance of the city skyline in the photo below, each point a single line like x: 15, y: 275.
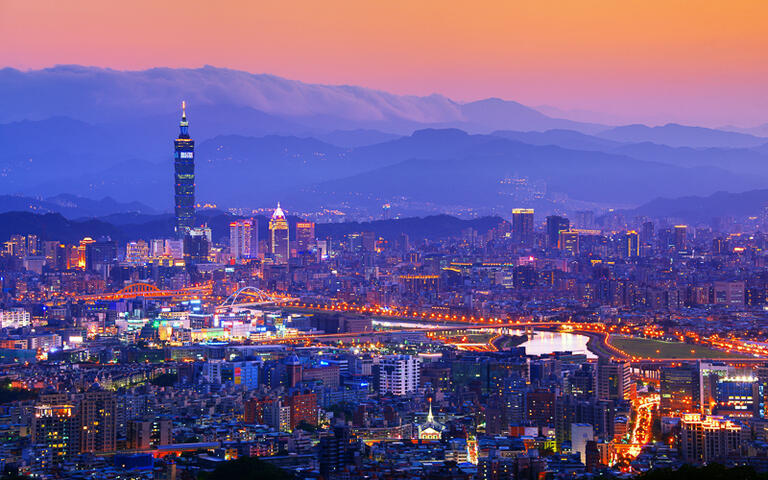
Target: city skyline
x: 212, y: 274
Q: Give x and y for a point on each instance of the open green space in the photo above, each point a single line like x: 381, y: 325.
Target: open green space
x: 651, y: 348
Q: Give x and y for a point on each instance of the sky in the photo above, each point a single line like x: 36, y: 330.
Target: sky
x: 694, y: 61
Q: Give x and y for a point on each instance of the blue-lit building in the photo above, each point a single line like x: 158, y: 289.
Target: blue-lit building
x: 184, y: 177
x: 739, y: 397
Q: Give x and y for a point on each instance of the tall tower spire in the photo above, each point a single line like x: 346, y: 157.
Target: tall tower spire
x: 184, y: 176
x: 184, y: 124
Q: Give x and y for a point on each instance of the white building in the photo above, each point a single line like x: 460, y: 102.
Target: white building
x: 15, y: 318
x: 581, y: 433
x: 398, y: 374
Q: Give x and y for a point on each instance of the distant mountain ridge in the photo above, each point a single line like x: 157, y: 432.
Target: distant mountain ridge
x: 97, y: 132
x: 676, y: 135
x: 98, y: 95
x: 72, y: 206
x: 695, y: 209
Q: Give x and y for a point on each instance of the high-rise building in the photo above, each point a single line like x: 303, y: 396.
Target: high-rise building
x: 97, y: 422
x: 555, y: 224
x: 581, y: 433
x: 585, y: 219
x: 244, y: 238
x: 681, y: 390
x: 303, y: 408
x: 568, y: 241
x: 613, y: 380
x: 184, y: 177
x: 681, y: 237
x: 398, y: 374
x: 33, y: 245
x: 706, y: 438
x: 55, y: 428
x: 631, y: 244
x: 522, y: 226
x: 279, y: 240
x: 197, y: 244
x: 646, y: 232
x: 336, y: 449
x: 293, y: 369
x: 738, y: 396
x: 137, y: 252
x: 18, y: 246
x: 305, y: 236
x: 100, y: 255
x: 540, y: 407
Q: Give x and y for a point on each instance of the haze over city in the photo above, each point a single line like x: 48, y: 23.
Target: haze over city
x: 383, y: 240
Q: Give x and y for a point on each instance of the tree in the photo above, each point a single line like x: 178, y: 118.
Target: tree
x: 247, y: 468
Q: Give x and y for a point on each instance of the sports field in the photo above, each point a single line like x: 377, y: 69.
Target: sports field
x: 650, y: 348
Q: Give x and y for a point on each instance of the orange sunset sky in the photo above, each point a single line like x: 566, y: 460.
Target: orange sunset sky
x: 702, y: 62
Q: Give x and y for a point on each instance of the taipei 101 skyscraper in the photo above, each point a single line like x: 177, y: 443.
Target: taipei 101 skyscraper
x: 184, y: 177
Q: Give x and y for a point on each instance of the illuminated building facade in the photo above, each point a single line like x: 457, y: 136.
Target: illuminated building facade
x: 244, y: 239
x: 681, y: 390
x: 568, y: 241
x: 398, y: 374
x: 184, y: 177
x: 279, y: 240
x: 305, y: 236
x: 522, y: 226
x: 137, y: 252
x: 739, y: 396
x: 632, y: 240
x: 54, y: 428
x: 705, y: 439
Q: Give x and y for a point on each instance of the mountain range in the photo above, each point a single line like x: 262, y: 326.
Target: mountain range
x: 98, y: 133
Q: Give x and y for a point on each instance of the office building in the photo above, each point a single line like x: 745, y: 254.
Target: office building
x: 137, y: 253
x: 197, y: 244
x: 681, y: 237
x: 681, y: 390
x: 555, y: 225
x: 184, y: 177
x: 14, y: 318
x: 613, y: 380
x: 279, y: 240
x: 632, y: 244
x: 100, y: 255
x: 738, y: 396
x: 244, y: 239
x: 522, y: 226
x: 305, y: 236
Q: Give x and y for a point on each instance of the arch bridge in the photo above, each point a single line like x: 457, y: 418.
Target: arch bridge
x: 147, y: 290
x: 253, y: 297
